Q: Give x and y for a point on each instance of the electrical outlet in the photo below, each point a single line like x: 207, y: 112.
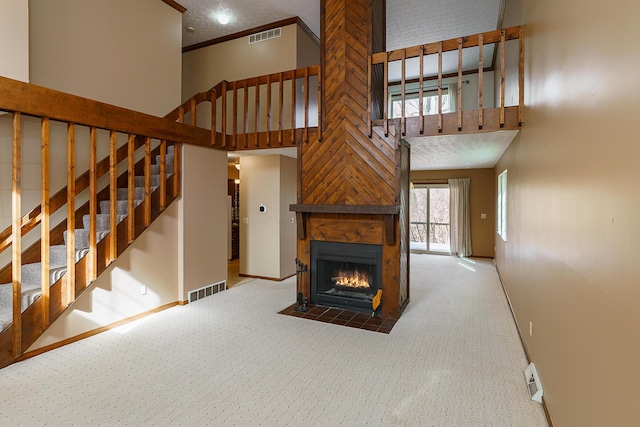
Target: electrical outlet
x: 530, y: 329
x: 143, y: 289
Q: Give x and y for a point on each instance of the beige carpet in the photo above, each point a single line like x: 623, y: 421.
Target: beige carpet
x: 453, y: 359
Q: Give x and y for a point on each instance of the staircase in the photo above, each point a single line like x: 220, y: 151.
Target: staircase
x: 31, y: 272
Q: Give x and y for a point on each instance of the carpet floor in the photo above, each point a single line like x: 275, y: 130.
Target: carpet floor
x: 452, y: 359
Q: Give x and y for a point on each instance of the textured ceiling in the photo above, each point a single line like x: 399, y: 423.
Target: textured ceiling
x: 244, y: 15
x: 469, y: 151
x: 409, y: 23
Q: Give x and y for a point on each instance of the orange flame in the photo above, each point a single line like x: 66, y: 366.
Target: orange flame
x: 353, y: 280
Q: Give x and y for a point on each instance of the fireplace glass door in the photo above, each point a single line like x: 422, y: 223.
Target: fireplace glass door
x: 345, y: 274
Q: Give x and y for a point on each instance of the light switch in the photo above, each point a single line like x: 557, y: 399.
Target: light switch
x: 245, y: 220
x: 483, y: 216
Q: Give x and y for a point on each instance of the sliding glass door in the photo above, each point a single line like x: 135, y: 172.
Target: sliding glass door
x: 429, y: 218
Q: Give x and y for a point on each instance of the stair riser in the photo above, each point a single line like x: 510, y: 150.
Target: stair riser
x: 122, y: 206
x: 155, y: 181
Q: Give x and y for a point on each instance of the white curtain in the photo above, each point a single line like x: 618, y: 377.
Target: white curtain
x: 460, y: 219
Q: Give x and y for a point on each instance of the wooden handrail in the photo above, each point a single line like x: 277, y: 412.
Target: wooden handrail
x: 32, y: 100
x: 489, y: 37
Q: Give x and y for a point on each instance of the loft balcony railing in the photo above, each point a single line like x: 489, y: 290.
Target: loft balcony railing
x: 271, y: 111
x: 418, y: 71
x: 281, y: 109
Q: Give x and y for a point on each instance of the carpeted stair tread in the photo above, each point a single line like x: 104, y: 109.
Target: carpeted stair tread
x: 82, y: 237
x: 103, y: 221
x: 168, y: 162
x: 138, y: 193
x: 32, y: 275
x: 122, y: 206
x: 154, y: 180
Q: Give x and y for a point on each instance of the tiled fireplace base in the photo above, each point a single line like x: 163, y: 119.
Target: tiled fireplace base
x: 338, y: 316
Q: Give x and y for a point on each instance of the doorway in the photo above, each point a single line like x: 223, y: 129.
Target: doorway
x: 429, y: 218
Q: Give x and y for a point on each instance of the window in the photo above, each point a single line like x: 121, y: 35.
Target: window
x: 412, y: 103
x: 502, y: 205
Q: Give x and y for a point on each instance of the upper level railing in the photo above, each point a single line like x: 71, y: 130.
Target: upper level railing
x: 398, y: 76
x: 62, y: 126
x: 274, y: 110
x: 454, y: 86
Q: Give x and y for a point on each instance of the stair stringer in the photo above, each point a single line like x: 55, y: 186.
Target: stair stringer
x: 32, y: 318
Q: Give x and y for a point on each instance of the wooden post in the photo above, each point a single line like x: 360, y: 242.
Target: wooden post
x: 480, y: 70
x: 234, y: 116
x: 45, y: 235
x: 16, y: 233
x: 257, y: 118
x: 214, y: 99
x: 521, y: 77
x: 131, y: 185
x: 421, y: 90
x: 280, y: 109
x: 93, y: 204
x: 306, y: 105
x: 459, y: 103
x: 224, y: 114
x: 147, y: 181
x: 269, y: 110
x: 176, y: 168
x: 440, y: 87
x: 193, y: 111
x: 320, y: 117
x: 293, y: 108
x: 369, y: 89
x: 163, y: 175
x: 113, y: 195
x: 403, y: 130
x: 502, y: 56
x: 246, y: 113
x: 71, y: 215
x: 181, y: 114
x: 386, y: 95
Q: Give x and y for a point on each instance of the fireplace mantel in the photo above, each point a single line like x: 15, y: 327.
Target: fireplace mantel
x: 388, y: 211
x: 347, y: 209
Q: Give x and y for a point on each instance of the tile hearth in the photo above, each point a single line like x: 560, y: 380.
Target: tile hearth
x: 339, y: 316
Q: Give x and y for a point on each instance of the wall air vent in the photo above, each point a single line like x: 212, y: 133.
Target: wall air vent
x: 265, y: 35
x: 207, y: 291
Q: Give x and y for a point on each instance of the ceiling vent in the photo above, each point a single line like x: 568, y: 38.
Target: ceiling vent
x: 265, y: 35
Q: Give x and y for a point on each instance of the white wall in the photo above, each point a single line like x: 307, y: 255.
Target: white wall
x: 569, y: 263
x: 202, y: 238
x: 116, y: 295
x: 288, y: 196
x: 267, y: 239
x: 14, y: 33
x: 120, y: 52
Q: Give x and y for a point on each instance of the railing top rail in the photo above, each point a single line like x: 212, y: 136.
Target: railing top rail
x: 511, y: 33
x: 298, y: 73
x: 37, y: 101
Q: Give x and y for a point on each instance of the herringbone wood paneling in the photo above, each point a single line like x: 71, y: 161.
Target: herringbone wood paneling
x: 348, y: 167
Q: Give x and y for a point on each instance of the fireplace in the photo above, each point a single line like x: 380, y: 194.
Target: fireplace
x: 345, y: 275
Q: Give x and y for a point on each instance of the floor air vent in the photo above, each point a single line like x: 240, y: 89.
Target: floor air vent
x: 265, y: 35
x: 207, y: 291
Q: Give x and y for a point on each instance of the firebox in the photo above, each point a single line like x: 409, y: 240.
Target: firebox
x: 345, y: 275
